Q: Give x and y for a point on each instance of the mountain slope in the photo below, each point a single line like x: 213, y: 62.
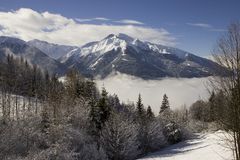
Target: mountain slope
x: 134, y: 57
x: 19, y: 48
x: 52, y: 50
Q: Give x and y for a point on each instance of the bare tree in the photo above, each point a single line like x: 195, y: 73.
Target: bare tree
x: 227, y: 54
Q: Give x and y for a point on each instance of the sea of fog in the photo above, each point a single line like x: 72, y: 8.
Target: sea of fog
x: 181, y: 91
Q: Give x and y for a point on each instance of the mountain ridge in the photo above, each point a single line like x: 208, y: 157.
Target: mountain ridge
x: 20, y: 48
x: 52, y: 50
x: 115, y: 53
x: 131, y: 56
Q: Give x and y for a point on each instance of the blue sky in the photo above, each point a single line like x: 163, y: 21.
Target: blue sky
x: 192, y: 25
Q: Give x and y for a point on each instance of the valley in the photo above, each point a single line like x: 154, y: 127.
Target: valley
x: 181, y: 91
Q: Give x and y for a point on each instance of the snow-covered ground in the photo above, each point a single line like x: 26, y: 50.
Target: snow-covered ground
x: 209, y: 146
x: 21, y: 105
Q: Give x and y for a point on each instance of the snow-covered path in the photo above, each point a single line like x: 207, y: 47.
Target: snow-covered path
x: 209, y: 146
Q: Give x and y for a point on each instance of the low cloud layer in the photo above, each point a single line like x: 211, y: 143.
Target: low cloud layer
x: 179, y: 90
x: 28, y: 24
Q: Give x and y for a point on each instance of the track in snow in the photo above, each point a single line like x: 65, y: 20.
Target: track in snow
x: 209, y: 146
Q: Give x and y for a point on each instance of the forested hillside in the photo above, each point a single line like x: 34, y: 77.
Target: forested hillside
x: 43, y: 118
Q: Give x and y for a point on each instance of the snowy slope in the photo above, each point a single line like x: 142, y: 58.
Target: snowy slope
x: 53, y: 50
x: 204, y: 147
x: 112, y: 42
x: 23, y: 107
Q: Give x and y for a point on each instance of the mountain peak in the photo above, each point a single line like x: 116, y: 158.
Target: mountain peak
x: 38, y: 41
x: 111, y: 42
x: 110, y: 36
x: 125, y: 37
x: 120, y: 36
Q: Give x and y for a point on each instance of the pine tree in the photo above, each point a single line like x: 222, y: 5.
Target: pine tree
x: 142, y: 125
x: 94, y: 118
x: 212, y: 106
x: 150, y: 115
x: 104, y: 109
x: 93, y: 114
x: 140, y: 109
x: 99, y: 112
x: 165, y: 104
x: 46, y: 86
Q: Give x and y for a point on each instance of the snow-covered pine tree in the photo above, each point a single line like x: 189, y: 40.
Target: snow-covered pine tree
x: 150, y: 115
x: 103, y: 108
x: 165, y: 104
x: 212, y: 106
x: 119, y: 138
x: 140, y: 109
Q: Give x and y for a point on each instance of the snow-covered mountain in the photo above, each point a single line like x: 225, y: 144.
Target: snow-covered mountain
x: 20, y: 48
x: 115, y: 53
x: 53, y: 50
x: 131, y: 56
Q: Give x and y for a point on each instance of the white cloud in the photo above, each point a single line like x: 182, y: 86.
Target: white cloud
x: 84, y: 20
x: 202, y: 25
x: 102, y: 19
x: 28, y: 24
x: 92, y: 19
x: 129, y: 21
x: 123, y: 21
x: 207, y: 26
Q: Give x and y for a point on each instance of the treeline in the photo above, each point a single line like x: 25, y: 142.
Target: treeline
x: 23, y: 87
x: 210, y: 110
x: 19, y: 77
x: 44, y: 118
